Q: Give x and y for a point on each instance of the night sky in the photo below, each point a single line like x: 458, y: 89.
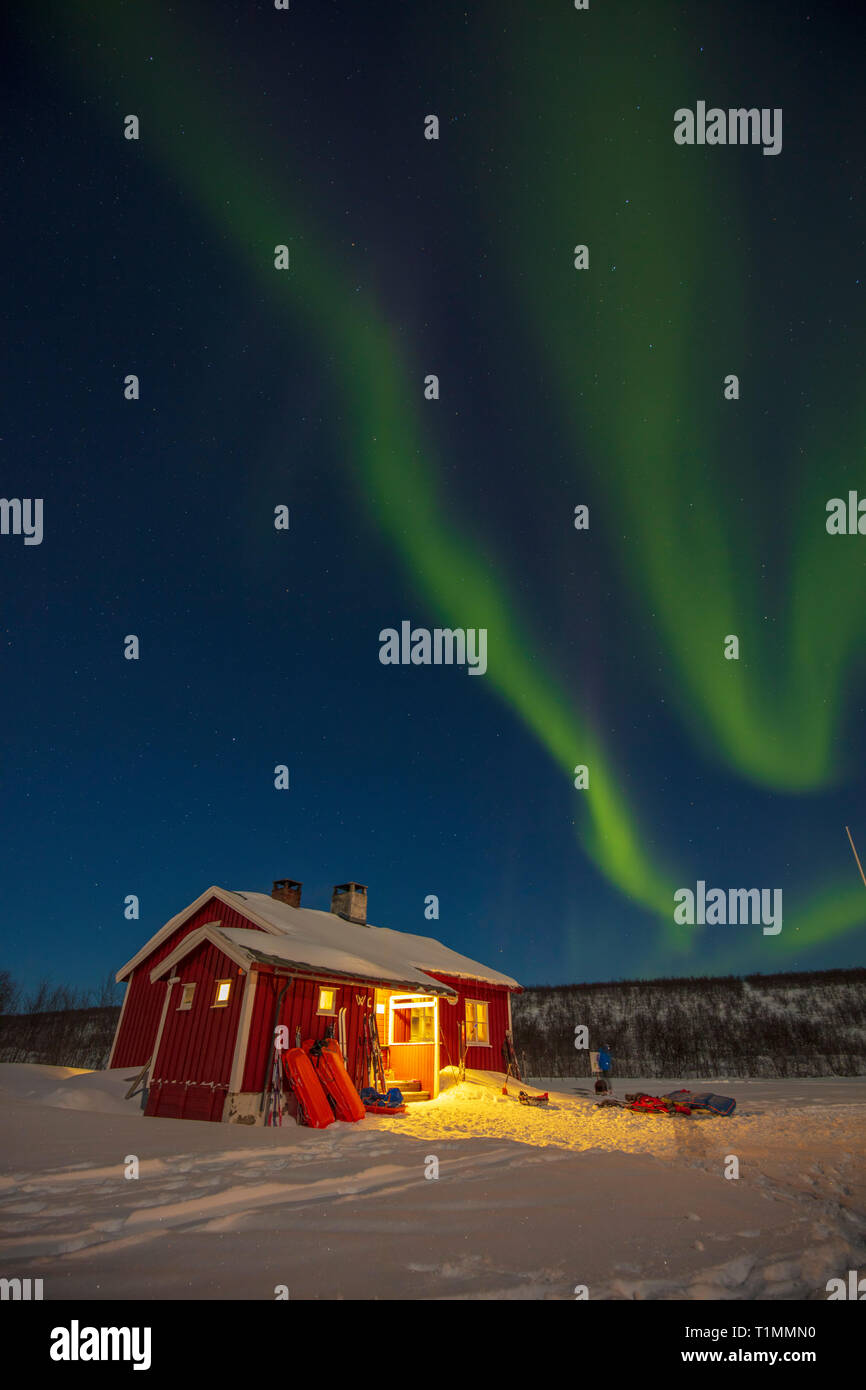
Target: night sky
x: 559, y: 387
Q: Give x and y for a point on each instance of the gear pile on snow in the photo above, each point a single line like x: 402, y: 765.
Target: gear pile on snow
x: 383, y: 1102
x: 716, y: 1105
x: 674, y: 1103
x: 656, y: 1105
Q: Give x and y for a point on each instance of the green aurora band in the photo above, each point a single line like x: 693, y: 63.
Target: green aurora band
x: 400, y: 491
x: 642, y: 379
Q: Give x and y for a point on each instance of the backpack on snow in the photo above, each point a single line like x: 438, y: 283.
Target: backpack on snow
x: 657, y: 1105
x: 716, y: 1105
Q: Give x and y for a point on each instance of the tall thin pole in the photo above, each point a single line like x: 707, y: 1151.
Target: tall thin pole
x: 856, y: 856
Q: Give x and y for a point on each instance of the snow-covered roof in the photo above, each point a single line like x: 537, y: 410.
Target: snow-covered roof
x: 328, y: 960
x: 248, y: 947
x: 328, y: 935
x: 312, y: 940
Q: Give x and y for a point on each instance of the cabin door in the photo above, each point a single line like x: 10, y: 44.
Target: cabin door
x: 413, y: 1039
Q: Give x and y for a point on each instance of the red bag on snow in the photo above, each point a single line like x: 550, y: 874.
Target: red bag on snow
x: 658, y: 1105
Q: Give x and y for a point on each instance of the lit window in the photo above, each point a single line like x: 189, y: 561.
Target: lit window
x: 327, y: 1001
x: 223, y: 990
x: 477, y: 1033
x: 421, y: 1027
x: 186, y: 997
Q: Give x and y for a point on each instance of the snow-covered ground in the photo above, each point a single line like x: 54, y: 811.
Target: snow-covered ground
x: 529, y: 1202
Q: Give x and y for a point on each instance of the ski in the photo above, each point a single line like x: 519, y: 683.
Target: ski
x: 274, y: 1108
x: 509, y: 1057
x: 376, y: 1062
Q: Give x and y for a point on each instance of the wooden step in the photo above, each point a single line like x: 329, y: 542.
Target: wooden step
x: 404, y: 1085
x: 409, y: 1097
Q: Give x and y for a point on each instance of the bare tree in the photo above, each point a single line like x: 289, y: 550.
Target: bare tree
x: 107, y: 993
x: 9, y: 993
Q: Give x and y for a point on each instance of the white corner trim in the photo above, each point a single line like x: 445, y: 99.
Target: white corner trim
x: 208, y: 932
x: 224, y: 896
x: 243, y: 1034
x: 120, y: 1022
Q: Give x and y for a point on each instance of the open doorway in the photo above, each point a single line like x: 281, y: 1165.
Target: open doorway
x: 409, y: 1033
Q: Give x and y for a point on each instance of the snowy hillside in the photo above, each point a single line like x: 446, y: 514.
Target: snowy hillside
x: 762, y: 1025
x: 60, y: 1037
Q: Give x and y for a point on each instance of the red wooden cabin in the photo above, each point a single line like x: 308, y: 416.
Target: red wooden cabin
x: 205, y: 994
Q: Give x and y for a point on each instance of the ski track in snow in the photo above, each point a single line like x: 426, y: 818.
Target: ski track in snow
x: 530, y: 1201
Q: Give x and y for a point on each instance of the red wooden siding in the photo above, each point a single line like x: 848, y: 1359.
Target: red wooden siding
x: 177, y: 1101
x: 190, y: 1074
x: 450, y: 1015
x: 144, y: 1005
x: 299, y: 1010
x: 402, y: 1025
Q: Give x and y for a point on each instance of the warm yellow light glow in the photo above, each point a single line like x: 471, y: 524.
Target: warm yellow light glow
x: 380, y: 1008
x: 223, y: 990
x: 476, y: 1022
x: 409, y: 1003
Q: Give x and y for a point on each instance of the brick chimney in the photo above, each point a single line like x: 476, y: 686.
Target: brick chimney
x: 287, y: 890
x: 349, y: 900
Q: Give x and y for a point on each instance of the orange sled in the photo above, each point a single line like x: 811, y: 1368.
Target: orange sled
x: 314, y: 1108
x: 330, y: 1070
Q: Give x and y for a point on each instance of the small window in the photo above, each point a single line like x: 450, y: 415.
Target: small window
x: 186, y: 994
x: 421, y: 1028
x: 223, y: 990
x: 327, y: 1001
x: 477, y: 1034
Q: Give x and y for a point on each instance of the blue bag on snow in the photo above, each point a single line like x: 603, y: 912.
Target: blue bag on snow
x: 706, y: 1100
x: 393, y: 1099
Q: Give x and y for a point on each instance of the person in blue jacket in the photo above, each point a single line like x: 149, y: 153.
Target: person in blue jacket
x: 605, y: 1065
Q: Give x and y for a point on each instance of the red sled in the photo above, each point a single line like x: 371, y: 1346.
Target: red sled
x: 385, y: 1109
x: 526, y: 1099
x: 314, y: 1108
x: 330, y: 1070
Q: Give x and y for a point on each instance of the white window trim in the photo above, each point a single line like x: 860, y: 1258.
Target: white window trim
x: 327, y: 1013
x: 486, y: 1005
x: 222, y: 1003
x: 184, y: 1007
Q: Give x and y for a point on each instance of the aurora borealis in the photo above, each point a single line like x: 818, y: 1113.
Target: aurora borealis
x: 559, y: 387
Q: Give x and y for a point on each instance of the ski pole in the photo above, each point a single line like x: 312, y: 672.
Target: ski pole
x: 856, y: 856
